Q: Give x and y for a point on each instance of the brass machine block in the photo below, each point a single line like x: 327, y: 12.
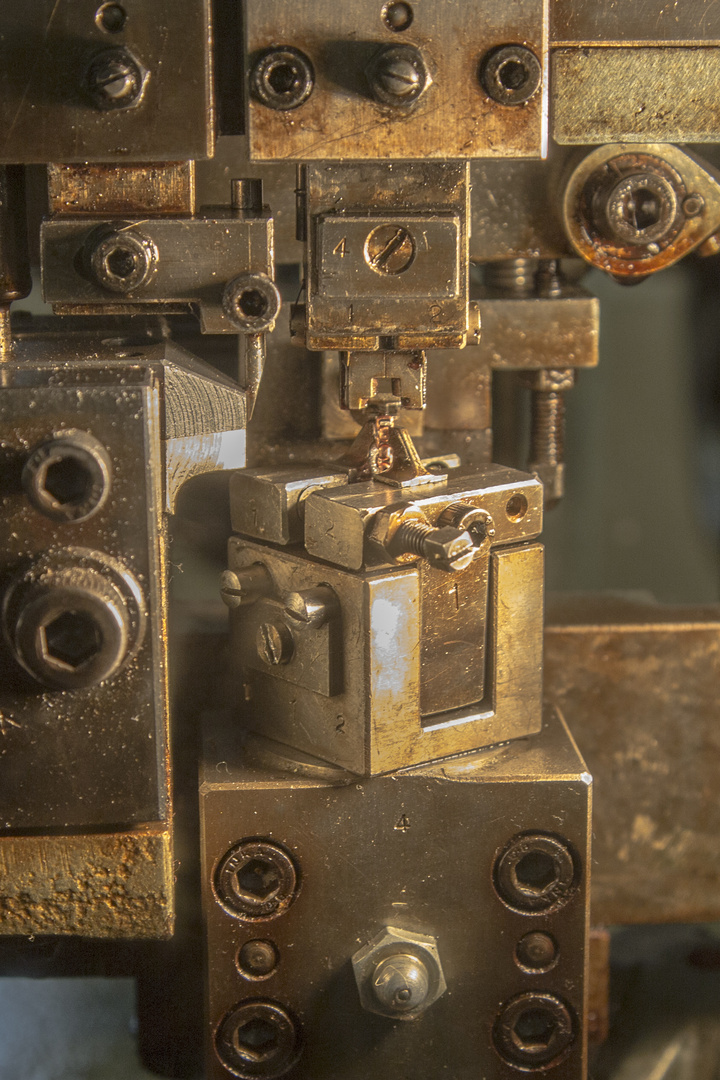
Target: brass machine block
x: 86, y: 845
x: 448, y: 865
x: 412, y: 662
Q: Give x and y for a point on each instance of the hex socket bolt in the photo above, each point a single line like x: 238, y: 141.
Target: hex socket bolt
x: 446, y: 548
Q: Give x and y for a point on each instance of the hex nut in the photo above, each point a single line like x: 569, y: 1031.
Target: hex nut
x: 68, y: 477
x: 258, y: 1038
x: 536, y: 872
x: 251, y: 302
x: 426, y: 982
x: 383, y: 526
x: 256, y: 880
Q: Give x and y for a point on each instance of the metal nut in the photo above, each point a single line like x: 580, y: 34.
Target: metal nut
x: 115, y: 79
x: 282, y: 78
x: 399, y: 974
x: 120, y: 260
x: 511, y: 74
x: 251, y: 302
x: 258, y: 1039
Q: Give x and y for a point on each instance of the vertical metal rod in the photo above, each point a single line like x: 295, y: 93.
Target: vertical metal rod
x: 252, y: 364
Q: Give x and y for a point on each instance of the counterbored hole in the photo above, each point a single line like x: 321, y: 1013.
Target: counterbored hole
x: 120, y: 263
x: 534, y: 1027
x: 252, y: 303
x: 111, y: 18
x: 72, y: 639
x: 516, y: 507
x: 283, y: 78
x: 513, y: 75
x: 257, y: 1039
x: 397, y: 16
x: 536, y: 870
x: 68, y: 481
x: 258, y: 878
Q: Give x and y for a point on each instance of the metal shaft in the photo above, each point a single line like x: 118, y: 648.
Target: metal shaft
x: 547, y: 430
x: 252, y: 364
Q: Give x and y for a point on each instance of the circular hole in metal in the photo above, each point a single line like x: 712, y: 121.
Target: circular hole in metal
x: 513, y: 75
x: 397, y: 16
x: 68, y: 481
x: 252, y: 303
x: 111, y: 18
x: 71, y: 639
x: 516, y: 507
x: 536, y: 870
x: 120, y: 262
x: 284, y: 78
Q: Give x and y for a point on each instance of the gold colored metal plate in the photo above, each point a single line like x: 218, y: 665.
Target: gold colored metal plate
x: 454, y: 118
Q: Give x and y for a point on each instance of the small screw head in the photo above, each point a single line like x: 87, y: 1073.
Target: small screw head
x: 274, y: 643
x: 640, y: 209
x: 389, y: 249
x: 257, y: 959
x: 251, y: 302
x: 120, y: 261
x: 536, y: 951
x: 401, y: 983
x: 397, y: 16
x: 510, y: 75
x: 282, y: 78
x: 398, y: 75
x: 693, y: 205
x: 115, y: 79
x: 244, y: 586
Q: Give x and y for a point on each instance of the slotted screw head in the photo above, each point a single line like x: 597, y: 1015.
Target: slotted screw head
x: 398, y: 75
x: 115, y: 79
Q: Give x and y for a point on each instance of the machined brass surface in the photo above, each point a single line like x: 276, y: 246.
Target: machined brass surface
x: 454, y: 117
x: 414, y: 851
x: 636, y: 682
x: 636, y: 94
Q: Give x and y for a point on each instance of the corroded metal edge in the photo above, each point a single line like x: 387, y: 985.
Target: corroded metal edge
x: 104, y: 885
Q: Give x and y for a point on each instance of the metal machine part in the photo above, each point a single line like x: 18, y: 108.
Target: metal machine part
x: 394, y: 818
x: 365, y: 945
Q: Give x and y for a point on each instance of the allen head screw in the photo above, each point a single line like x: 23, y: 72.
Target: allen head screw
x: 510, y: 75
x: 282, y: 78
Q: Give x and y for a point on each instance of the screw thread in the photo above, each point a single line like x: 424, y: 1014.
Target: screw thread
x: 410, y: 537
x: 547, y: 432
x: 513, y: 277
